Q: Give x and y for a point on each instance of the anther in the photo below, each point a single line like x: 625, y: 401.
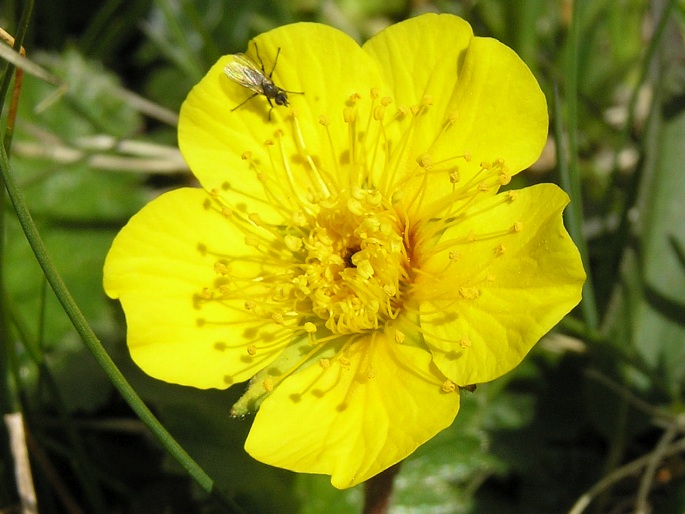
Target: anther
x: 355, y: 206
x: 469, y: 293
x: 390, y: 290
x: 518, y: 226
x: 427, y: 100
x: 252, y: 240
x: 251, y: 349
x: 386, y: 100
x: 268, y: 385
x: 465, y: 342
x: 374, y: 93
x: 448, y: 386
x: 256, y: 219
x: 220, y: 268
x: 365, y: 269
x: 325, y: 363
x: 310, y: 327
x: 246, y: 155
x: 425, y: 160
x: 500, y: 250
x: 292, y: 243
x: 324, y: 120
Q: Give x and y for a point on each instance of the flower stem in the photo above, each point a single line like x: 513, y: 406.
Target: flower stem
x: 378, y: 489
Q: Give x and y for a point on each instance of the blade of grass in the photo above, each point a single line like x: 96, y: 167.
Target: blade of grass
x: 95, y: 346
x: 569, y: 171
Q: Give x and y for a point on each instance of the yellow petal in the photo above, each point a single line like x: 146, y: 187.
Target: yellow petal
x: 162, y: 266
x: 485, y: 102
x: 505, y: 275
x: 502, y: 112
x: 355, y: 415
x: 238, y: 151
x: 423, y: 56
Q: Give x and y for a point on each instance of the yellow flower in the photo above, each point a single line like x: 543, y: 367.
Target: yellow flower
x: 350, y: 252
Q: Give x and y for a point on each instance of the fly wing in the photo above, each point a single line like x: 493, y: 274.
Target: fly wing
x: 242, y: 70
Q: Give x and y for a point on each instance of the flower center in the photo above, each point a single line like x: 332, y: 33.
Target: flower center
x: 353, y: 264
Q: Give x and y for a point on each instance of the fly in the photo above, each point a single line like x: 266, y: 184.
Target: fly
x: 244, y: 71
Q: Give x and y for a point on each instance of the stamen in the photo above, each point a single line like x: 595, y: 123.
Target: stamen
x: 315, y: 174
